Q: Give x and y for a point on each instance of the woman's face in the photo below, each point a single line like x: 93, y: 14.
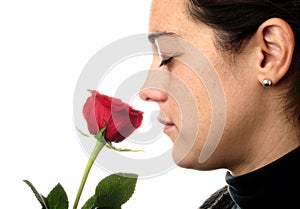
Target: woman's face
x: 206, y: 102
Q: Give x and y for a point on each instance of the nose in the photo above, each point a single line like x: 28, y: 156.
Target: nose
x: 152, y: 94
x: 155, y: 86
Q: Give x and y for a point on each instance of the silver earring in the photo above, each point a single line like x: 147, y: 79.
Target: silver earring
x: 266, y: 82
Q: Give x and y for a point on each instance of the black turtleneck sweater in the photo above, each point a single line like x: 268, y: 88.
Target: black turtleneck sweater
x: 273, y: 186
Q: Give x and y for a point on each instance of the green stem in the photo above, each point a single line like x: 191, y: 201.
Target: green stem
x: 99, y: 145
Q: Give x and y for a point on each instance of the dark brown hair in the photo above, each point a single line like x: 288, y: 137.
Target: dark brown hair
x: 235, y: 21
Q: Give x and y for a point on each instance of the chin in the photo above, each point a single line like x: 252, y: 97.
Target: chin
x: 185, y: 164
x: 191, y: 161
x: 182, y: 158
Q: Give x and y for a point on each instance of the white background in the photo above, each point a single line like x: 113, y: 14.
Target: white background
x: 44, y: 45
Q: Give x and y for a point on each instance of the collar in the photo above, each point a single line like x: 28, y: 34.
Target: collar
x: 275, y: 185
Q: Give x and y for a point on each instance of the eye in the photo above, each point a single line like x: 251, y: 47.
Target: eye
x: 166, y: 61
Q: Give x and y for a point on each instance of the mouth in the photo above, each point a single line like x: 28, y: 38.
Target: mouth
x: 167, y: 125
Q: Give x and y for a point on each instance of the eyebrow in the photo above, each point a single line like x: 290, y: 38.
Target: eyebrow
x: 153, y: 36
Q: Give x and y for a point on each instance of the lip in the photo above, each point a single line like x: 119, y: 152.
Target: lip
x: 167, y: 125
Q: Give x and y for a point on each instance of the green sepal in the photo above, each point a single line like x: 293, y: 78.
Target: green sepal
x: 42, y: 200
x: 100, y: 135
x: 81, y: 132
x: 111, y: 146
x: 57, y: 198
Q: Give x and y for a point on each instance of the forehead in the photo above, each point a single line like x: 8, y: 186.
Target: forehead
x: 171, y: 16
x: 167, y: 15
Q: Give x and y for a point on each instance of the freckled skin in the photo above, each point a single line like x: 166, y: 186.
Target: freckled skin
x: 249, y: 138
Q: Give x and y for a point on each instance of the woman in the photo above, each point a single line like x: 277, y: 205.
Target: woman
x: 254, y: 48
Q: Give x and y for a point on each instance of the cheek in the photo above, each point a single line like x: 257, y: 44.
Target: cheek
x: 195, y: 119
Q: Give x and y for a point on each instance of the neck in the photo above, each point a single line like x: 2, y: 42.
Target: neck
x: 271, y: 139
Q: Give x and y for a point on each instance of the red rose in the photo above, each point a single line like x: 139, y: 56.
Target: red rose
x: 121, y: 119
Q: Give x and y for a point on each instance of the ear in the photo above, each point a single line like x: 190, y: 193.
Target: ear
x: 275, y: 41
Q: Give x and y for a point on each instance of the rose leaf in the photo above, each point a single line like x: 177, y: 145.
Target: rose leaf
x: 57, y: 198
x: 115, y: 190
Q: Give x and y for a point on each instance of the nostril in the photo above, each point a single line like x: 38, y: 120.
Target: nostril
x: 142, y: 95
x: 153, y: 95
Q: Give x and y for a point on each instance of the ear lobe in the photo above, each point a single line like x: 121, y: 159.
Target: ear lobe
x: 277, y: 46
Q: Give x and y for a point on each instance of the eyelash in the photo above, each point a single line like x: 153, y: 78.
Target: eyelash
x: 166, y: 61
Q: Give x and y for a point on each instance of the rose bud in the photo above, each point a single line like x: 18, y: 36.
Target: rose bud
x: 119, y: 118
